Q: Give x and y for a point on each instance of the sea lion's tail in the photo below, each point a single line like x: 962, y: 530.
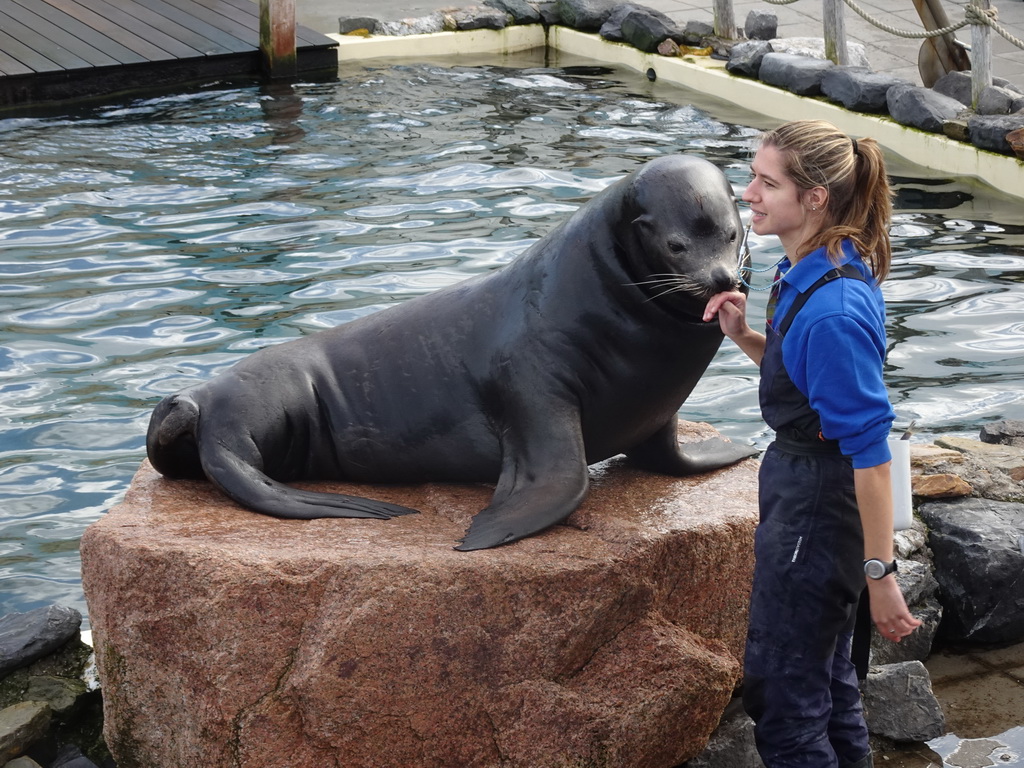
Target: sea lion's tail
x: 171, y: 441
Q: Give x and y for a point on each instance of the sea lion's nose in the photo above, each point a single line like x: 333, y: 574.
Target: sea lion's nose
x: 722, y: 279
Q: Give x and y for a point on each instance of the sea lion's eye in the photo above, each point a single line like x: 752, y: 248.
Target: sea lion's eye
x: 676, y: 245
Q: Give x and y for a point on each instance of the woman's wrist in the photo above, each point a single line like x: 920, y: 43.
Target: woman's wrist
x: 751, y: 342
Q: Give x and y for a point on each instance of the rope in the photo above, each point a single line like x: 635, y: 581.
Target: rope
x: 972, y: 15
x: 990, y: 17
x: 902, y: 32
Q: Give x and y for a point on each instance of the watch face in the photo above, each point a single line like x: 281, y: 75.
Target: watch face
x: 875, y: 569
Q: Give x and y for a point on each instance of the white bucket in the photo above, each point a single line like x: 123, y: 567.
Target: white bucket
x: 902, y: 500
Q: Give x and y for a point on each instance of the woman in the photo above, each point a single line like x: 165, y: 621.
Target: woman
x: 825, y: 500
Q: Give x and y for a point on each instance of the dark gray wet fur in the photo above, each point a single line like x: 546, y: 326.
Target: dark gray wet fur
x: 583, y: 347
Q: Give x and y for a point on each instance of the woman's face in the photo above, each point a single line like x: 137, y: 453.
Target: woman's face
x: 778, y: 206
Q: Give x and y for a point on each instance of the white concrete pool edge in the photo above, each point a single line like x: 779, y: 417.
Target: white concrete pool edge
x: 928, y: 150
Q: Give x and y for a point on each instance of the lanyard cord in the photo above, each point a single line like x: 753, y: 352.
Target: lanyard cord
x: 744, y: 266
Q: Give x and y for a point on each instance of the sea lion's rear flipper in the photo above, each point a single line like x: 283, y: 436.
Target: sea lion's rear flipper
x: 171, y: 438
x: 543, y: 479
x: 251, y: 488
x: 661, y: 452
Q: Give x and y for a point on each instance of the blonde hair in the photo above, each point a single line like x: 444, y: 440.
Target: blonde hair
x: 817, y: 154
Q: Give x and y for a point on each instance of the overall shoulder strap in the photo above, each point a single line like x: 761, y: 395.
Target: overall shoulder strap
x: 847, y: 270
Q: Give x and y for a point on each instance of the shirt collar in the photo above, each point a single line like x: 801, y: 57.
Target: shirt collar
x: 811, y: 267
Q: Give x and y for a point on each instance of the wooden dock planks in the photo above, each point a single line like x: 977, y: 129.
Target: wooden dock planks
x: 55, y: 49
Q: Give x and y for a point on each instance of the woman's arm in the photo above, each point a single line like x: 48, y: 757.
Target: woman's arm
x: 731, y: 308
x: 874, y: 499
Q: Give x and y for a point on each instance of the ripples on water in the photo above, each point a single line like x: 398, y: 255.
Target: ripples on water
x: 147, y: 245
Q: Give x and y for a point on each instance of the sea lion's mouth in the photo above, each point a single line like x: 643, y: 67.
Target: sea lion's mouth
x: 685, y: 297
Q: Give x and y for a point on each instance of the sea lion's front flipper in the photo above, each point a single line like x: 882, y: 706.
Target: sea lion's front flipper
x: 661, y: 452
x: 251, y: 488
x: 543, y: 479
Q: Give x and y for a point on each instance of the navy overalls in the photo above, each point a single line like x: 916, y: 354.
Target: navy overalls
x: 800, y: 686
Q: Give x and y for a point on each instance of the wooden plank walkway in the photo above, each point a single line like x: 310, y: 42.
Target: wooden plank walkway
x: 52, y: 50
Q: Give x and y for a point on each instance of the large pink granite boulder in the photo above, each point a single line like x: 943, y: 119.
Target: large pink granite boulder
x: 227, y: 638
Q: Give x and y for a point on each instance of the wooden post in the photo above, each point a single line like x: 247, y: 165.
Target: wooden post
x: 277, y: 38
x: 981, y: 55
x: 725, y: 22
x: 835, y: 32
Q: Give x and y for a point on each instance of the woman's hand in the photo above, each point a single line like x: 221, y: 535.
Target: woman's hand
x: 889, y: 610
x: 731, y: 309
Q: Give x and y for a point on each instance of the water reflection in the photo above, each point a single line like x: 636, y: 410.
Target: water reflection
x: 1006, y: 749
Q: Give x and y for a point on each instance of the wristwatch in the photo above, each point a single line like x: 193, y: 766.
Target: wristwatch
x: 878, y: 569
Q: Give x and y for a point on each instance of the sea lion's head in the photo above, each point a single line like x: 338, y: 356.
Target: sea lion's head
x: 686, y: 231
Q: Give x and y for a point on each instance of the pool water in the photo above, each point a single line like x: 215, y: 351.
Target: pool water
x: 147, y: 244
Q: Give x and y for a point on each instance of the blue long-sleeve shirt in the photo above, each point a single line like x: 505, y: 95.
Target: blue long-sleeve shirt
x: 834, y: 351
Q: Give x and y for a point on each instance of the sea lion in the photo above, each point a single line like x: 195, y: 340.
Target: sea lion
x: 583, y: 347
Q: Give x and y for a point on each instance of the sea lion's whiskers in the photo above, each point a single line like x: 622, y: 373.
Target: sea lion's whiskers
x: 666, y: 292
x: 664, y: 278
x: 665, y: 281
x: 673, y: 283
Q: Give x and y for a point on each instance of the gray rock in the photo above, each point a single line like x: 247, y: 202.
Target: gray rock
x: 814, y: 47
x: 25, y: 637
x: 1000, y: 456
x: 585, y: 15
x: 956, y: 129
x: 917, y: 583
x: 423, y: 25
x: 956, y: 85
x: 899, y: 703
x: 612, y: 27
x: 858, y: 89
x: 479, y: 18
x: 697, y: 32
x: 61, y: 693
x: 71, y: 756
x: 911, y: 544
x: 1005, y: 432
x: 996, y: 101
x: 21, y: 725
x: 921, y: 107
x: 349, y: 24
x: 23, y: 762
x: 978, y: 564
x: 645, y: 29
x: 800, y: 74
x: 732, y: 743
x: 989, y: 131
x: 989, y: 469
x: 745, y: 58
x: 521, y: 11
x: 78, y: 762
x: 549, y: 14
x: 761, y: 25
x: 1002, y: 82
